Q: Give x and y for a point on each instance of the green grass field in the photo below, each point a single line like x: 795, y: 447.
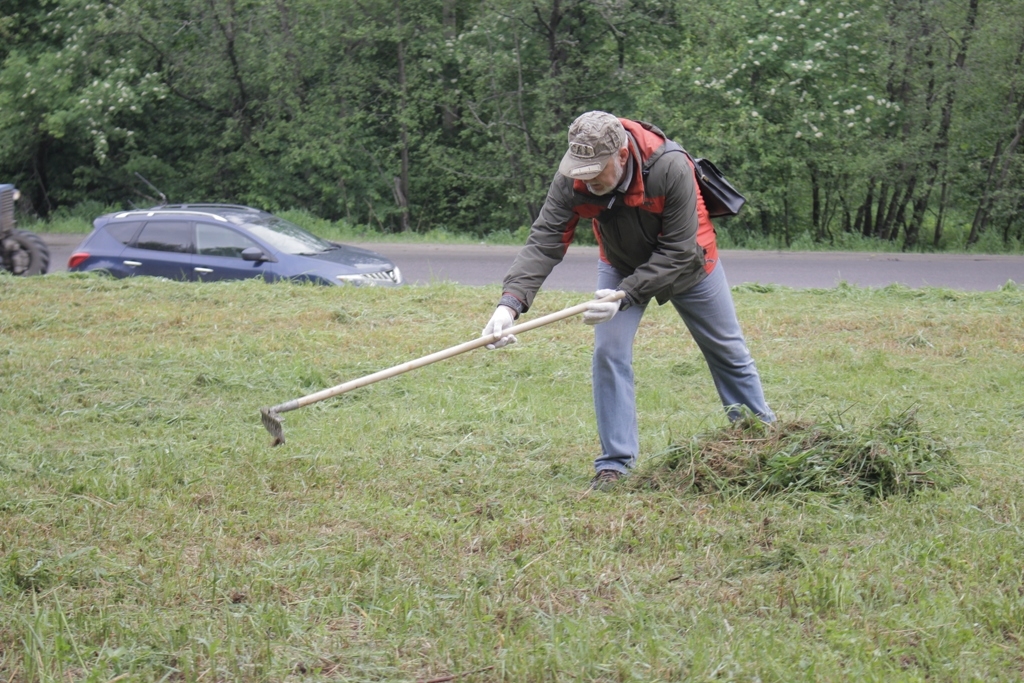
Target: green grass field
x: 438, y: 527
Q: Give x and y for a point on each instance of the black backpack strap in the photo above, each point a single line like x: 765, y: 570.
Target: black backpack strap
x: 670, y: 146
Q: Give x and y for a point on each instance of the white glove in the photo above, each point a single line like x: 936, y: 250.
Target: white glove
x: 601, y: 312
x: 503, y: 318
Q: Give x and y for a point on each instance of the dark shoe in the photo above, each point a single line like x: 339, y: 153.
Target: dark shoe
x: 605, y: 479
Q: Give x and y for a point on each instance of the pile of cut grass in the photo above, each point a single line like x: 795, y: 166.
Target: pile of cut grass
x: 893, y: 457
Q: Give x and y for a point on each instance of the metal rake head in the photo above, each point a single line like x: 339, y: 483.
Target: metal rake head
x: 272, y: 421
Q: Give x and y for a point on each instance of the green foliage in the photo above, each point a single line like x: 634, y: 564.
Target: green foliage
x: 897, y: 121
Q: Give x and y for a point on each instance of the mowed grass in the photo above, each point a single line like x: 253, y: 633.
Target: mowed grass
x: 437, y: 526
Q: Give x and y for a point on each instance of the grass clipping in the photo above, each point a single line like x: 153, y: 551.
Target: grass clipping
x: 893, y: 457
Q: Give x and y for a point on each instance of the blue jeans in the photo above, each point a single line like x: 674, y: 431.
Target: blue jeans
x: 708, y: 312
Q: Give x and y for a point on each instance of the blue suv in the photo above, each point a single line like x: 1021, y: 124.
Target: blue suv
x: 207, y: 242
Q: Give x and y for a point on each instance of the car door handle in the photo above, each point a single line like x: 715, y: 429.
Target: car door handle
x: 133, y: 263
x: 203, y: 270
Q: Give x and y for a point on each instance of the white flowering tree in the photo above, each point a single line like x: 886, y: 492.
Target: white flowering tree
x: 845, y: 110
x: 786, y: 98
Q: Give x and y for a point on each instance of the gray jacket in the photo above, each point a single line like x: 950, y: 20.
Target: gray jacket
x: 656, y: 233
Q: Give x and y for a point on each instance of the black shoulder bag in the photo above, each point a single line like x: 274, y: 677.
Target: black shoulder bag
x: 720, y: 197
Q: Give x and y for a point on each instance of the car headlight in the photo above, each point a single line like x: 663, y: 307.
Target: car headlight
x: 383, y: 277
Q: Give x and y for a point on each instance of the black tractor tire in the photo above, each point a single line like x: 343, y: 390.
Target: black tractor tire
x: 24, y: 253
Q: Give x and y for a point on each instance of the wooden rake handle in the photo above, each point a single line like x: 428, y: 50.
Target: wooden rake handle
x: 439, y: 355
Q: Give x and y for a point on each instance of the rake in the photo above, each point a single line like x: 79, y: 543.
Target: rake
x: 272, y: 416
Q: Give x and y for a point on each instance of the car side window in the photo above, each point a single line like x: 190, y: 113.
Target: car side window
x: 123, y: 232
x: 173, y: 236
x: 216, y: 240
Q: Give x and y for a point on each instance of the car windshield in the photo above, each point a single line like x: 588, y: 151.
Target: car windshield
x: 285, y: 236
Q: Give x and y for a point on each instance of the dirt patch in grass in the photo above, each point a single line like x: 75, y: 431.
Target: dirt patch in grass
x: 893, y: 457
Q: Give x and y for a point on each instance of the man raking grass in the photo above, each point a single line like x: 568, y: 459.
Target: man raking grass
x: 641, y: 193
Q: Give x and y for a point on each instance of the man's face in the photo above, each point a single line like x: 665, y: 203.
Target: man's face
x: 610, y: 176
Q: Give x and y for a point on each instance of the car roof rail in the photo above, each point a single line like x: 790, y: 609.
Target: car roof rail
x: 208, y: 205
x: 155, y: 212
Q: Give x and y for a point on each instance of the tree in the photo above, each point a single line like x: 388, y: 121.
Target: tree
x: 837, y: 118
x: 69, y: 102
x: 786, y: 99
x: 994, y: 115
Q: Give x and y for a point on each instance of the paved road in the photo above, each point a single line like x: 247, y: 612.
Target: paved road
x: 485, y: 265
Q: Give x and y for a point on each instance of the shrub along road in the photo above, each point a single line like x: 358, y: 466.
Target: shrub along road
x: 485, y: 265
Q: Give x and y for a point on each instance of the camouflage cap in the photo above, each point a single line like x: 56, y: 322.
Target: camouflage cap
x: 594, y: 138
